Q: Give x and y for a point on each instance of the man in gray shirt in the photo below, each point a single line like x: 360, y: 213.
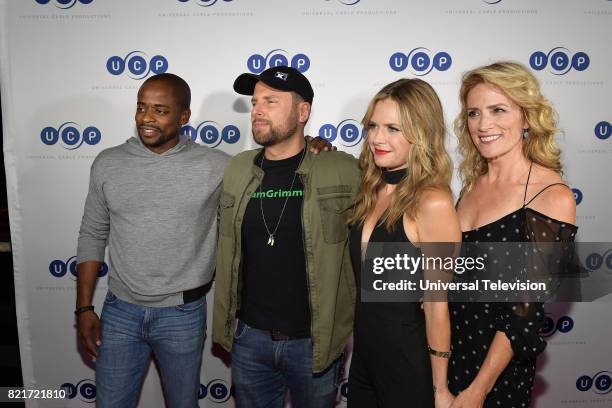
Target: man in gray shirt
x: 153, y: 202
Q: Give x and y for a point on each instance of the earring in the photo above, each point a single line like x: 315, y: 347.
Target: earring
x: 525, y: 134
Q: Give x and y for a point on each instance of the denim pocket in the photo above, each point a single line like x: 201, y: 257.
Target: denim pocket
x: 110, y: 298
x: 191, y: 306
x: 241, y: 328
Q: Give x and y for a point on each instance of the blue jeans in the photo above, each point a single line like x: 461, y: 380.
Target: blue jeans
x: 263, y: 369
x: 130, y: 333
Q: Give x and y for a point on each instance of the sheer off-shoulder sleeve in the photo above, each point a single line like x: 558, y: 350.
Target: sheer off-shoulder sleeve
x: 548, y: 251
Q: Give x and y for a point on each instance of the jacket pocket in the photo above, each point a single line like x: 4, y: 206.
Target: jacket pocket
x: 226, y: 213
x: 335, y: 212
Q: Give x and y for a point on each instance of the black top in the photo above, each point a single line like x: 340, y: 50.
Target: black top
x: 402, y: 312
x: 274, y: 292
x: 474, y: 325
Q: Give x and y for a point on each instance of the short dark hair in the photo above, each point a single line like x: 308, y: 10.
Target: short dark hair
x: 179, y: 86
x: 297, y: 98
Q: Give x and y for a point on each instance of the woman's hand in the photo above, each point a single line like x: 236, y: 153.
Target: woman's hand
x: 471, y: 397
x: 443, y: 398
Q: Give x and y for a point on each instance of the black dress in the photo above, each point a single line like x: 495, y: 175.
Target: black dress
x: 474, y: 325
x: 390, y: 366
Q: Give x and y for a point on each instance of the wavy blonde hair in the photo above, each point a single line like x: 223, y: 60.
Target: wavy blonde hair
x: 519, y: 84
x: 429, y: 166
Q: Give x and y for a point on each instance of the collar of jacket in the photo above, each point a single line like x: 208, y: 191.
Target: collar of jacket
x: 304, y: 168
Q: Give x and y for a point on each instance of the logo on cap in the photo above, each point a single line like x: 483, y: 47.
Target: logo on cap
x: 281, y: 75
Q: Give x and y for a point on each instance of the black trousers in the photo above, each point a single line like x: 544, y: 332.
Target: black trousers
x: 390, y: 367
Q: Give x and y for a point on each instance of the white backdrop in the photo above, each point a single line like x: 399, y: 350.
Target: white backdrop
x: 70, y: 70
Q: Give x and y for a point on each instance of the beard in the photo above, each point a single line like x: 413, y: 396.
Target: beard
x: 276, y: 134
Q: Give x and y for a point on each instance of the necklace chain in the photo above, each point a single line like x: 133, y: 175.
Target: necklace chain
x: 263, y: 217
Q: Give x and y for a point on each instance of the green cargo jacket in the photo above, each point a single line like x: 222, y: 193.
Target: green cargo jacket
x: 331, y: 181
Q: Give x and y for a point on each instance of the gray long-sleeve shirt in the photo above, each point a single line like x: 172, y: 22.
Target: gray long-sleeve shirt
x: 158, y: 215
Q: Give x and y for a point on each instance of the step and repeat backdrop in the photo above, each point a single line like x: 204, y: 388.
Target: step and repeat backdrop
x: 70, y: 70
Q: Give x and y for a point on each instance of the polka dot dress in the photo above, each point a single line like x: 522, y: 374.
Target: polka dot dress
x: 474, y: 325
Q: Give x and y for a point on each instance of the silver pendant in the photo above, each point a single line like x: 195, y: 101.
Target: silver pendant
x: 271, y: 240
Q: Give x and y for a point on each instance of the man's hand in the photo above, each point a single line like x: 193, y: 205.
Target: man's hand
x: 88, y: 323
x: 88, y: 326
x: 318, y: 145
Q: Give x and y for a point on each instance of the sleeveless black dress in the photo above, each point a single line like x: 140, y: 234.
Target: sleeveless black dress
x: 390, y: 366
x: 473, y: 325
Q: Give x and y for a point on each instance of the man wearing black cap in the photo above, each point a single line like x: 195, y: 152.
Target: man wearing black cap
x: 285, y: 291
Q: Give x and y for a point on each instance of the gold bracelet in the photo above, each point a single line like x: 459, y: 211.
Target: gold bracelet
x: 442, y: 354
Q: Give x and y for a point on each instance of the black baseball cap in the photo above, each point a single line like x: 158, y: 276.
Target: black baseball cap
x: 282, y: 78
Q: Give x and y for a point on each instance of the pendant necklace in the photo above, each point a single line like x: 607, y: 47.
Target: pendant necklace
x: 263, y: 217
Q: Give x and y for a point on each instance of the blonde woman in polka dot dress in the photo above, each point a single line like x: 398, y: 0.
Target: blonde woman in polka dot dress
x: 512, y: 188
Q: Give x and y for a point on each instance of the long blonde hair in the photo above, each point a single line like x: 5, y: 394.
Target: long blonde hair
x: 522, y: 88
x: 429, y: 165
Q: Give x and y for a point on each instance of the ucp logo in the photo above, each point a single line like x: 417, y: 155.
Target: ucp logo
x: 203, y: 3
x: 350, y: 131
x: 564, y: 324
x: 59, y: 268
x: 603, y: 130
x: 217, y: 391
x: 70, y: 136
x: 420, y: 61
x: 347, y: 2
x: 560, y: 60
x: 577, y: 195
x: 138, y: 64
x: 85, y: 390
x: 258, y: 63
x: 596, y: 260
x: 602, y: 383
x: 211, y: 133
x: 64, y: 4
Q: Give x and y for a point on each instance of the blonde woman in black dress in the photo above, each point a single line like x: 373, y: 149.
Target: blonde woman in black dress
x: 512, y: 192
x: 405, y: 198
